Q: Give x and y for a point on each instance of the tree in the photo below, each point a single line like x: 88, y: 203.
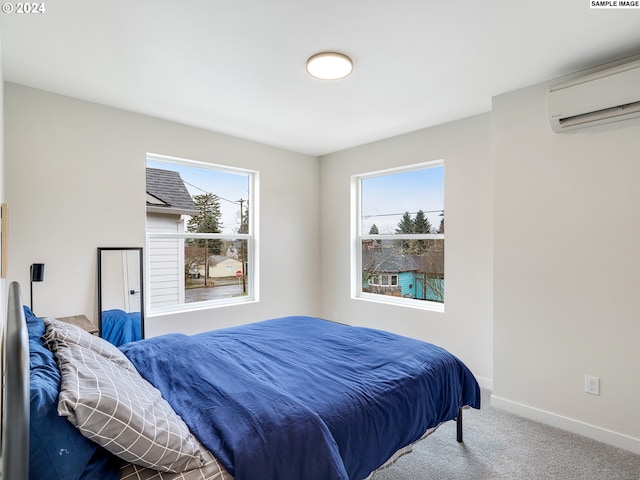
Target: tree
x: 208, y: 218
x: 421, y: 223
x: 406, y: 224
x: 428, y: 254
x: 441, y: 228
x: 373, y: 243
x: 194, y: 256
x: 244, y: 217
x: 207, y: 221
x: 430, y: 274
x: 244, y: 228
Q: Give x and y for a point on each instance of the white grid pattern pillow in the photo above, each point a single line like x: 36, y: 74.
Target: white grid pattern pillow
x: 119, y: 410
x: 69, y: 333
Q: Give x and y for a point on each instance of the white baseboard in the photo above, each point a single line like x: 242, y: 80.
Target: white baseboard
x: 485, y: 382
x: 594, y: 432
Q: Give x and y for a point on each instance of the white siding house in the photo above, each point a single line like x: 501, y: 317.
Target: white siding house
x: 168, y: 202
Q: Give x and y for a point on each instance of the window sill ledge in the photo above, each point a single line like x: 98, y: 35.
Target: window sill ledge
x: 402, y: 302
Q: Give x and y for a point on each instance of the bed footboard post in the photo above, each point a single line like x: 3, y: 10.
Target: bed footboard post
x: 459, y: 426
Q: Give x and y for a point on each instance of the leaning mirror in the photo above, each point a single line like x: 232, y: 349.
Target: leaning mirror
x: 120, y: 295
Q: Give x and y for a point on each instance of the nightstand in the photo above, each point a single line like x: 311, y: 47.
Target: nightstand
x: 82, y: 322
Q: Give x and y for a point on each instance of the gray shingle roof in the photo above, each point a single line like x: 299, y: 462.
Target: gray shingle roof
x: 388, y: 260
x: 168, y: 187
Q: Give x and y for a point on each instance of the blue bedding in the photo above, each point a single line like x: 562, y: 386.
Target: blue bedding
x: 304, y: 398
x: 120, y: 327
x: 57, y: 450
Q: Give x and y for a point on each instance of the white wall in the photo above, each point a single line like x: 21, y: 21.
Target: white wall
x: 566, y: 268
x: 465, y: 328
x: 77, y: 176
x: 3, y: 284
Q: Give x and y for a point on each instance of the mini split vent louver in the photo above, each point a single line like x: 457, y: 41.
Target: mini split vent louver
x: 605, y: 96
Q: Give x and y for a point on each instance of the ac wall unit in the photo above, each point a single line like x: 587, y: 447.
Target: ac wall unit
x: 605, y: 96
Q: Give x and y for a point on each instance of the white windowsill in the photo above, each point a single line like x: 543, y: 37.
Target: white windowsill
x: 196, y: 306
x: 401, y: 302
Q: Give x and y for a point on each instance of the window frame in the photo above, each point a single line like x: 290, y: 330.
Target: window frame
x: 251, y: 238
x: 357, y: 238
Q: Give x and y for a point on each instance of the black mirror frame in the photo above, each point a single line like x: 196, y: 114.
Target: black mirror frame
x: 141, y: 269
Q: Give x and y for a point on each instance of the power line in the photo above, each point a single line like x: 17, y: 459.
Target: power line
x: 221, y: 198
x: 400, y: 214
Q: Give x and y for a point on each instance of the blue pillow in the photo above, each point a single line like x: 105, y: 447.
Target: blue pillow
x: 56, y: 449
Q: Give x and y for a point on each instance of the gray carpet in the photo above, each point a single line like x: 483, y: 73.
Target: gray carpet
x: 499, y: 445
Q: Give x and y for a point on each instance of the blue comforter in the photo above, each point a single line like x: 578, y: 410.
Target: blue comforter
x: 120, y: 327
x: 303, y: 398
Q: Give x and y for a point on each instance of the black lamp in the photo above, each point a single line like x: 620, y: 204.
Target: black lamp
x: 37, y: 275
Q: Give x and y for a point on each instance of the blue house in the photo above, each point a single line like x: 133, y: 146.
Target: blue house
x: 389, y: 271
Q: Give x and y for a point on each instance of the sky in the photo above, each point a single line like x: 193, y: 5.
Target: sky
x: 385, y: 198
x: 229, y: 187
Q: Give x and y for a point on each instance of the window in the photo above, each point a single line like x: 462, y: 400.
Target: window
x: 384, y: 280
x: 399, y: 230
x: 201, y: 240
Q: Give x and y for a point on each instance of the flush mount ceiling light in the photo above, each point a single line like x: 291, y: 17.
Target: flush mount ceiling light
x: 329, y: 65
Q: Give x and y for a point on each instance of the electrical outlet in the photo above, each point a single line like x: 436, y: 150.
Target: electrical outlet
x: 591, y: 385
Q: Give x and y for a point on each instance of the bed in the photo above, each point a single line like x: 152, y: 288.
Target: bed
x: 290, y: 398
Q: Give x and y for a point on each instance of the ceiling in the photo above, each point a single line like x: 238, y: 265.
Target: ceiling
x: 238, y: 66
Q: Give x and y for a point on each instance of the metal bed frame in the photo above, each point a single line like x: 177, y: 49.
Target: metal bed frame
x: 16, y: 404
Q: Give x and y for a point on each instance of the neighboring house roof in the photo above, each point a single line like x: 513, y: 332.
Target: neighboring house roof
x: 166, y: 193
x: 216, y: 259
x: 388, y: 260
x: 392, y: 260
